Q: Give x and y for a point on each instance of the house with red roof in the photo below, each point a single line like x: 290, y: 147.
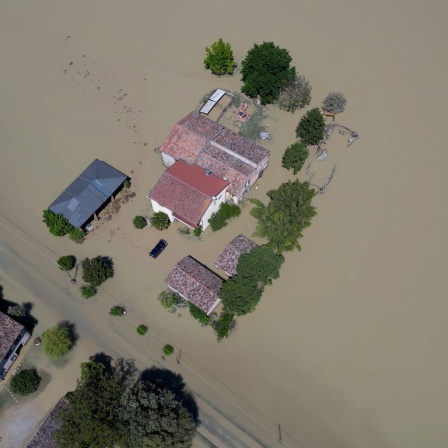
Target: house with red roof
x: 188, y: 193
x: 200, y: 141
x: 195, y: 283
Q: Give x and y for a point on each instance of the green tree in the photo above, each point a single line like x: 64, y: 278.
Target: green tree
x: 311, y: 127
x: 142, y: 329
x: 90, y: 419
x: 334, y: 103
x: 88, y: 291
x: 240, y: 296
x: 97, y: 270
x: 197, y: 231
x: 295, y: 156
x: 295, y: 94
x: 152, y: 417
x: 266, y: 69
x: 261, y: 264
x: 25, y: 382
x: 117, y: 311
x: 140, y: 222
x: 170, y: 298
x: 223, y: 326
x: 76, y: 234
x: 57, y: 224
x: 198, y: 314
x: 160, y: 221
x: 57, y: 341
x: 67, y: 262
x: 289, y: 211
x: 226, y: 211
x: 219, y: 58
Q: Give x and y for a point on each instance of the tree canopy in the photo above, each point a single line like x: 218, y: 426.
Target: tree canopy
x: 334, y: 103
x: 311, y: 127
x: 67, y: 262
x: 57, y: 224
x: 160, y: 221
x: 57, y: 341
x: 295, y: 156
x: 288, y: 212
x: 97, y: 270
x: 266, y: 69
x: 25, y: 382
x: 219, y: 58
x: 152, y: 417
x: 295, y: 94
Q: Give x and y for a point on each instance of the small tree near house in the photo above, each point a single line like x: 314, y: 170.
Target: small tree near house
x: 160, y: 221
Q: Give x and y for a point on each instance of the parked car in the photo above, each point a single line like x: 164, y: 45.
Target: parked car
x: 158, y: 249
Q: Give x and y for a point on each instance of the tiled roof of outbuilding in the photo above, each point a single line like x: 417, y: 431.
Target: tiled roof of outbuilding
x: 228, y: 260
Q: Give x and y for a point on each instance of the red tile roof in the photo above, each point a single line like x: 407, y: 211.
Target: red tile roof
x: 228, y: 260
x: 9, y: 330
x: 189, y: 136
x: 187, y: 191
x: 195, y: 283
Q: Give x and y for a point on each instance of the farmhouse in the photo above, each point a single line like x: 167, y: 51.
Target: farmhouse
x: 45, y: 436
x: 228, y: 260
x: 13, y: 336
x: 88, y: 193
x: 189, y: 194
x: 198, y: 140
x: 195, y: 283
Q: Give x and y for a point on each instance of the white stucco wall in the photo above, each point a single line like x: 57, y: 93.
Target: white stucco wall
x: 213, y: 207
x: 158, y: 208
x: 167, y: 160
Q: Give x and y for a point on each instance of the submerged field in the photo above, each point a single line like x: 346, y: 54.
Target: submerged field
x: 348, y: 347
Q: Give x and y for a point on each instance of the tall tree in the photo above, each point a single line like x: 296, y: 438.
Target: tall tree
x: 219, y: 58
x: 289, y: 211
x: 334, y: 103
x: 90, y: 419
x: 152, y: 417
x: 266, y: 69
x: 295, y: 156
x: 311, y: 127
x: 97, y: 270
x: 295, y: 94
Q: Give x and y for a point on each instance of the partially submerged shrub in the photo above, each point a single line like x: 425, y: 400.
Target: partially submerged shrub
x: 127, y: 183
x: 168, y: 349
x: 224, y: 325
x: 160, y: 221
x: 170, y: 298
x: 76, y: 234
x: 88, y: 291
x: 197, y: 231
x: 140, y: 222
x: 226, y: 211
x: 25, y: 382
x: 117, y: 311
x: 142, y: 329
x: 199, y: 315
x: 67, y: 262
x: 334, y: 103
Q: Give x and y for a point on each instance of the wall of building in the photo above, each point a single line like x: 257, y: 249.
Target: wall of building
x: 167, y: 160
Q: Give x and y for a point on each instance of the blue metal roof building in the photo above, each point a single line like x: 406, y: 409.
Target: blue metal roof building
x: 88, y: 193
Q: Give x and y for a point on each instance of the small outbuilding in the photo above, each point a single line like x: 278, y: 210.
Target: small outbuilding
x: 195, y: 283
x: 88, y: 193
x: 228, y: 260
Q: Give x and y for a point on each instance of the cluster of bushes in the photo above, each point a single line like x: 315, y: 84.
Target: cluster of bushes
x: 58, y: 225
x: 95, y: 271
x: 226, y: 211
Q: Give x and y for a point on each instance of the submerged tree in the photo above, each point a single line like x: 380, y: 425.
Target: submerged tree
x: 57, y: 341
x: 25, y: 382
x: 219, y: 58
x: 288, y: 213
x: 311, y: 127
x: 160, y: 221
x: 266, y: 69
x: 97, y: 270
x: 295, y: 156
x: 295, y: 94
x: 334, y: 103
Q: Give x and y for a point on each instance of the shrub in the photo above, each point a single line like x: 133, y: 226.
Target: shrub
x: 160, y: 221
x: 295, y: 156
x: 76, y: 234
x: 117, y: 311
x: 142, y: 329
x: 334, y: 103
x: 97, y: 270
x: 230, y: 211
x: 197, y: 231
x: 57, y: 224
x: 67, y: 262
x: 226, y: 211
x: 311, y: 128
x: 25, y: 382
x: 184, y: 230
x: 224, y: 325
x: 199, y: 315
x: 88, y: 291
x: 57, y: 341
x: 127, y: 183
x: 170, y: 298
x: 17, y: 310
x: 140, y: 222
x: 168, y: 349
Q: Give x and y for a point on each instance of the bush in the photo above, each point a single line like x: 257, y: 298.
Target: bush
x: 117, y: 311
x: 160, y: 221
x: 140, y: 222
x: 57, y: 224
x: 311, y: 128
x: 127, y: 183
x: 226, y: 211
x: 199, y: 315
x: 25, y: 382
x: 197, y: 231
x: 295, y: 156
x: 224, y: 325
x: 76, y: 234
x: 184, y: 230
x: 170, y: 298
x: 57, y: 341
x: 219, y: 58
x: 334, y: 103
x: 97, y: 270
x: 17, y: 310
x: 168, y: 349
x: 67, y: 262
x: 88, y: 291
x: 142, y: 329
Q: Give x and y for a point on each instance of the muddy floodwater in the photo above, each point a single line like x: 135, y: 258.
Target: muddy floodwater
x: 348, y: 347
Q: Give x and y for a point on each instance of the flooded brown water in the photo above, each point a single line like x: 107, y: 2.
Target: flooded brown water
x: 348, y: 347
